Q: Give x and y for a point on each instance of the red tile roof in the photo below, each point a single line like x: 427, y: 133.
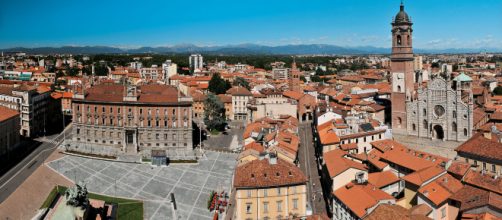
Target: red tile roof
x: 423, y: 175
x: 382, y: 179
x: 439, y: 190
x: 359, y: 198
x: 395, y: 212
x: 337, y: 164
x: 7, y: 113
x: 480, y: 146
x: 260, y: 173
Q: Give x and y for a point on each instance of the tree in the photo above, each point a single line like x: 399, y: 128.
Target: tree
x: 214, y: 113
x: 302, y: 78
x: 217, y: 85
x: 239, y: 81
x: 497, y: 90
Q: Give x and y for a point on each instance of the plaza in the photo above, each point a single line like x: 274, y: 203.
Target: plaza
x: 190, y: 183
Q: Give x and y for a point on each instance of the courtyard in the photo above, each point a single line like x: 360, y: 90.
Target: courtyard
x: 190, y: 183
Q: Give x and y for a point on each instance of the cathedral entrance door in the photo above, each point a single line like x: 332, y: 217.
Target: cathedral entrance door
x: 438, y: 132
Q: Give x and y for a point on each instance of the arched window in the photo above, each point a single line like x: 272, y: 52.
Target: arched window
x: 426, y: 125
x: 454, y: 114
x: 425, y: 112
x: 399, y: 88
x: 454, y: 127
x: 465, y: 131
x: 398, y: 40
x: 414, y: 127
x: 399, y: 121
x: 408, y: 40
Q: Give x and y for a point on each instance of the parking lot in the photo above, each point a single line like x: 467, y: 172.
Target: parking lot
x: 191, y: 184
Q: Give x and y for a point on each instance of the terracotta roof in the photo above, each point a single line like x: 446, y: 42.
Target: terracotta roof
x: 386, y: 144
x: 423, y: 175
x: 255, y: 146
x: 146, y: 93
x: 382, y: 179
x: 7, y: 113
x: 337, y: 164
x: 327, y: 134
x: 458, y: 168
x: 484, y: 181
x: 359, y: 198
x: 260, y: 173
x: 386, y: 211
x: 239, y: 91
x: 403, y: 159
x: 439, y: 190
x: 421, y: 210
x: 225, y: 98
x: 471, y: 197
x: 293, y: 94
x: 481, y: 146
x: 479, y: 216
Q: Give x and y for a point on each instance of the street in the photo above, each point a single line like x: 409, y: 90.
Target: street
x: 19, y: 173
x: 308, y: 165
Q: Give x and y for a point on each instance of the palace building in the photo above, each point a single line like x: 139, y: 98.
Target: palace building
x: 112, y: 119
x: 440, y: 108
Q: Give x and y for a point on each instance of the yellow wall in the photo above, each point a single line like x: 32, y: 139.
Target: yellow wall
x: 257, y: 199
x: 410, y: 192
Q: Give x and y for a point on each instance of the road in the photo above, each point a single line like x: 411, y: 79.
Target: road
x: 19, y: 173
x: 308, y: 165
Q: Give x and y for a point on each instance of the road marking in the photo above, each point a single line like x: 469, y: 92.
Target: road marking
x: 22, y: 169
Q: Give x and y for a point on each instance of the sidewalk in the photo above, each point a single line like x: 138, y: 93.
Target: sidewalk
x: 26, y: 200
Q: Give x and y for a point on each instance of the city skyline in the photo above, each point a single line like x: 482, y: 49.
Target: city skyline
x: 348, y: 24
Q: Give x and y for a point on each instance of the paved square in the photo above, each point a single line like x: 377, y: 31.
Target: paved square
x: 191, y: 184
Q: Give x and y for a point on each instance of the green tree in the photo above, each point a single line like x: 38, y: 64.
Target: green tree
x: 239, y: 81
x: 214, y: 113
x: 302, y: 78
x: 315, y: 78
x: 497, y: 90
x: 217, y: 85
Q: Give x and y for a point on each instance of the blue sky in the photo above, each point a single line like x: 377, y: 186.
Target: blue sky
x: 129, y: 24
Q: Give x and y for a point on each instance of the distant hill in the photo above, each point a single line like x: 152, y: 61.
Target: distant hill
x: 307, y: 49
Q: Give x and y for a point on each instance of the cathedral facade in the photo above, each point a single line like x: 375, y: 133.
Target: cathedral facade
x: 440, y: 108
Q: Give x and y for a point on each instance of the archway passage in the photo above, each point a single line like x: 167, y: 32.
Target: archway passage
x: 438, y: 132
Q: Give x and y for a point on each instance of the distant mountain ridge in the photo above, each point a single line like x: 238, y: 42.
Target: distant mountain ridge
x: 239, y: 49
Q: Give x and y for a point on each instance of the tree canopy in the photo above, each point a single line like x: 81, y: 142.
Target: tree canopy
x: 217, y: 85
x: 497, y: 90
x: 239, y: 81
x: 214, y: 113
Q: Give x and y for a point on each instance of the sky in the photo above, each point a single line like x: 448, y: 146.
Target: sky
x: 438, y: 24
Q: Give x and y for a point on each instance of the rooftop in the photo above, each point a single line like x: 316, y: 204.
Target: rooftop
x: 262, y: 173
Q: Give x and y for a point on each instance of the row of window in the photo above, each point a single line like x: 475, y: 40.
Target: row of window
x: 278, y: 205
x: 484, y: 165
x: 149, y: 123
x: 149, y: 110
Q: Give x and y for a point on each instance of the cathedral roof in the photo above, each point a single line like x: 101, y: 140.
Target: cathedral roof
x: 463, y: 78
x: 402, y: 16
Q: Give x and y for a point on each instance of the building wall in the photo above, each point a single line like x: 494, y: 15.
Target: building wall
x: 9, y: 135
x: 346, y: 177
x: 239, y: 111
x: 479, y: 163
x: 108, y: 127
x: 265, y: 204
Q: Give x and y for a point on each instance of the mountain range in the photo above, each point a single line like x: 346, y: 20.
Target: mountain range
x: 239, y: 49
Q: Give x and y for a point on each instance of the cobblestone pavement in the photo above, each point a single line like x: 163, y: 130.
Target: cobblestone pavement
x: 438, y: 147
x: 191, y: 184
x: 308, y: 165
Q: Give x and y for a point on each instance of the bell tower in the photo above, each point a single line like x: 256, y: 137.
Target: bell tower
x: 403, y: 88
